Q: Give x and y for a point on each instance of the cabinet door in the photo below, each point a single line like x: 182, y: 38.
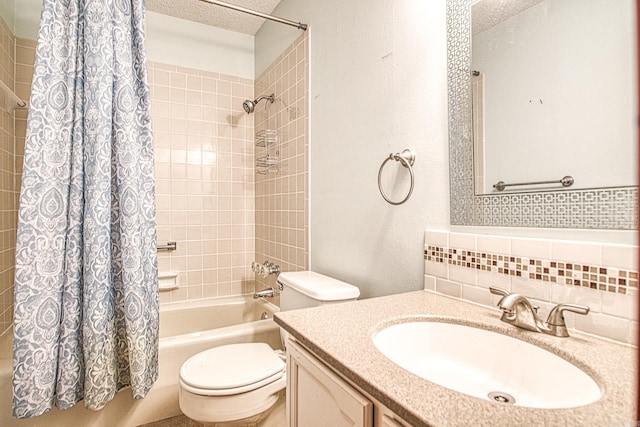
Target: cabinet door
x: 316, y: 397
x: 385, y: 417
x: 388, y: 421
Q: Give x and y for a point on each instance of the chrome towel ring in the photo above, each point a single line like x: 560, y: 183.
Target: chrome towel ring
x: 406, y: 158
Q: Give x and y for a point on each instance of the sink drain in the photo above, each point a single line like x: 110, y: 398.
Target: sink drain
x: 501, y: 397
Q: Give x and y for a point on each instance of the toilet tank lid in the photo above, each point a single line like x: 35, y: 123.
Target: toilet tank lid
x: 318, y: 286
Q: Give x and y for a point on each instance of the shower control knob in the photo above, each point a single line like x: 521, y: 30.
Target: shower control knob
x: 265, y: 269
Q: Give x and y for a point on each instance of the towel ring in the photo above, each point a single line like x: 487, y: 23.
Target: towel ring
x: 406, y: 158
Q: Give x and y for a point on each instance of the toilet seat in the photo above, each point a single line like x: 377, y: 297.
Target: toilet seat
x: 231, y: 369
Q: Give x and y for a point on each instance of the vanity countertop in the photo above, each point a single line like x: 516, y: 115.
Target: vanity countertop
x: 341, y: 334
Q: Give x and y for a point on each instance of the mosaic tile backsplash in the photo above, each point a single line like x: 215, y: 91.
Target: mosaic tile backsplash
x: 590, y: 276
x: 602, y: 276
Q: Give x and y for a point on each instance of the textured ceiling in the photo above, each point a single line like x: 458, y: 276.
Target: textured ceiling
x: 217, y: 16
x: 488, y: 13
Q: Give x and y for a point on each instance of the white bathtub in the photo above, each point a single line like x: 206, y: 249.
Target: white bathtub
x: 185, y: 329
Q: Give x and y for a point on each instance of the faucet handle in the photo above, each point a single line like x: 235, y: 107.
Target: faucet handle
x: 498, y: 291
x: 556, y: 316
x: 555, y: 321
x: 503, y: 293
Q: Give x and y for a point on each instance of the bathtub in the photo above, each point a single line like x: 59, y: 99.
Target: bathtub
x: 185, y: 329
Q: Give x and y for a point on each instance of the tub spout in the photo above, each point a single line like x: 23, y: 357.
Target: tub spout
x: 269, y: 292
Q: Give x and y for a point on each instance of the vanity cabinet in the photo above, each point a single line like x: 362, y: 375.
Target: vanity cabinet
x: 318, y: 397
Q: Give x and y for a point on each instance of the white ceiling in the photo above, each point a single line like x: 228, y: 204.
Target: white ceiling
x: 488, y: 13
x: 217, y: 16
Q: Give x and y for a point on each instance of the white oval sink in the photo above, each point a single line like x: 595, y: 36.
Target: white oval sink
x: 487, y: 365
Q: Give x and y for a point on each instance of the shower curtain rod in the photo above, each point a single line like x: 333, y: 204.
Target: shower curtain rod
x: 298, y: 25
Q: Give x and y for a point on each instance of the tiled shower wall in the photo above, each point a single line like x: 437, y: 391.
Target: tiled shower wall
x: 282, y: 204
x: 204, y: 155
x: 205, y: 179
x: 603, y: 277
x: 7, y: 181
x: 16, y: 69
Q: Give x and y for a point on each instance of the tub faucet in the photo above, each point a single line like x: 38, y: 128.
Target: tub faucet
x: 269, y: 292
x: 518, y: 311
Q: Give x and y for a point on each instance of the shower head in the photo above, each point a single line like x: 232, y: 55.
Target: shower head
x: 250, y: 106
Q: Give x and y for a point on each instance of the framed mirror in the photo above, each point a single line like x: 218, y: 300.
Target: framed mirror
x: 593, y: 203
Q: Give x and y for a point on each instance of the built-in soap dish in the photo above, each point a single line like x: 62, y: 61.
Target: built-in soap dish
x: 168, y: 280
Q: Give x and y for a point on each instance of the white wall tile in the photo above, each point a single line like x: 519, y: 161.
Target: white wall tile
x: 436, y: 238
x: 494, y: 244
x: 576, y: 252
x: 620, y: 256
x: 531, y: 248
x: 612, y: 327
x: 462, y: 241
x: 487, y: 279
x: 462, y: 274
x: 577, y: 295
x: 448, y: 287
x: 621, y: 305
x: 429, y: 283
x: 476, y: 294
x: 438, y: 269
x: 531, y: 288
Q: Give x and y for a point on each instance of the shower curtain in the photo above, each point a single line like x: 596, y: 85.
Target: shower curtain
x: 86, y: 285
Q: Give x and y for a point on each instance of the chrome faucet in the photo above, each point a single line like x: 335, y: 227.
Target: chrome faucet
x: 518, y: 311
x: 268, y: 293
x: 265, y: 269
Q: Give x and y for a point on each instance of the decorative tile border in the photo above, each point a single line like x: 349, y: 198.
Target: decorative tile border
x: 597, y: 277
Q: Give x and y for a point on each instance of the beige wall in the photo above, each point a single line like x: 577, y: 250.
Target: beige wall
x: 282, y: 202
x: 379, y: 86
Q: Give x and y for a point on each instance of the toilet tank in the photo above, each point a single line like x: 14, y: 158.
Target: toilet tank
x: 302, y: 289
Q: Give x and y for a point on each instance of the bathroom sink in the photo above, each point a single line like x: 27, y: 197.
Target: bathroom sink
x: 487, y: 365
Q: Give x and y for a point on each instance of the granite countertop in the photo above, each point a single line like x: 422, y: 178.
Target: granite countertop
x: 341, y: 335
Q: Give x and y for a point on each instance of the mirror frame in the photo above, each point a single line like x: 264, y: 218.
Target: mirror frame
x: 614, y: 208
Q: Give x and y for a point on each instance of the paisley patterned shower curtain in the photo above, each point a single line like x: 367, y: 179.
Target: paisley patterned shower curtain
x: 86, y: 287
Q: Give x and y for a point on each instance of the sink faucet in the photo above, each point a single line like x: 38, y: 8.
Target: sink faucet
x: 517, y: 310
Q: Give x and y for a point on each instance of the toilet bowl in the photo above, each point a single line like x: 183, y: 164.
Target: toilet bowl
x: 238, y: 384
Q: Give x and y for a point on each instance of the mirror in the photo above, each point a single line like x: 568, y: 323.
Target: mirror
x: 553, y: 85
x: 597, y: 205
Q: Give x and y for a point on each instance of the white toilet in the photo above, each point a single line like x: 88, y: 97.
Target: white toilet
x: 238, y: 384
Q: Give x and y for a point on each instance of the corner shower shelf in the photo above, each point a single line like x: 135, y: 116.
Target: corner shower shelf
x: 266, y: 137
x: 270, y: 161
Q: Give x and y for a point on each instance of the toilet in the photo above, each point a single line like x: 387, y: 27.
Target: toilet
x: 238, y: 384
